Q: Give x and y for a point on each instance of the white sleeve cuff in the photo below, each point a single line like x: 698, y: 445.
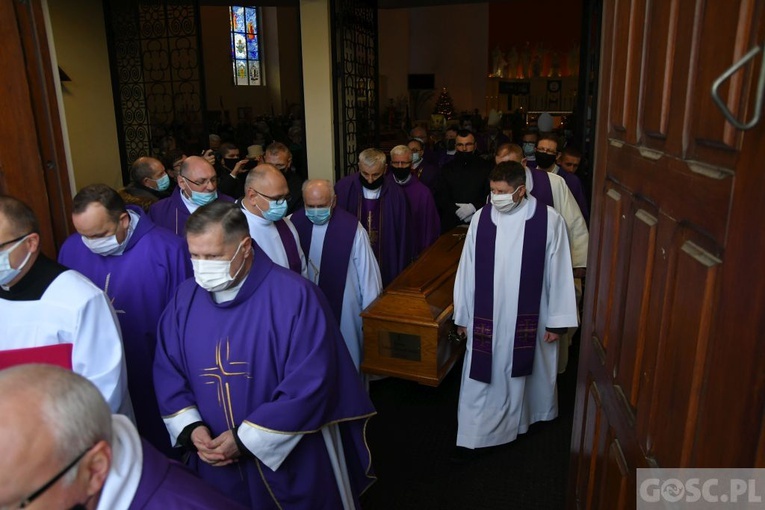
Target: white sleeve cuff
x: 270, y: 447
x: 177, y: 422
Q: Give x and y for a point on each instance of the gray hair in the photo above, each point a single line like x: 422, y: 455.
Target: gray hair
x: 372, y: 158
x: 72, y: 408
x: 229, y: 216
x: 143, y: 168
x: 401, y: 150
x: 19, y: 215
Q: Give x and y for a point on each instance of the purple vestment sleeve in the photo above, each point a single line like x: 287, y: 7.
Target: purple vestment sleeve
x: 139, y: 283
x: 425, y: 224
x: 272, y: 358
x: 575, y: 185
x: 167, y: 485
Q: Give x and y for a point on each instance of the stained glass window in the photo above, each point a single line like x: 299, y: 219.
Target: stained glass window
x: 245, y: 45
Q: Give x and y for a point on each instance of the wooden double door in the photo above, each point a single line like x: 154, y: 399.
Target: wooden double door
x: 672, y: 370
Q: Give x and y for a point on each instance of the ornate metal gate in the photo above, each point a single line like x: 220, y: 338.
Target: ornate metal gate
x: 156, y: 75
x: 354, y: 29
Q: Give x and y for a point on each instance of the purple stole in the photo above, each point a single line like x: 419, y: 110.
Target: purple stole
x: 335, y: 254
x: 290, y: 246
x: 542, y: 190
x: 529, y: 294
x: 370, y: 218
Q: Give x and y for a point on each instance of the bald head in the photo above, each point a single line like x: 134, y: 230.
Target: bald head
x: 318, y: 193
x: 52, y: 416
x: 264, y: 184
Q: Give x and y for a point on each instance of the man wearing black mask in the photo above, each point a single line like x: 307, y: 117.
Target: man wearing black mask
x: 228, y: 162
x: 381, y: 208
x: 546, y: 155
x: 463, y: 185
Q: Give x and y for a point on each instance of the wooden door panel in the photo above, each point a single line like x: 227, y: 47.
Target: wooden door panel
x: 591, y: 447
x: 609, y: 261
x: 636, y: 298
x: 712, y: 140
x: 619, y: 493
x: 687, y: 315
x: 627, y: 37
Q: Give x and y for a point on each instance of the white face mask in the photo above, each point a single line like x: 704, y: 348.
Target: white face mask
x: 7, y: 273
x: 215, y: 275
x: 103, y: 246
x: 503, y: 202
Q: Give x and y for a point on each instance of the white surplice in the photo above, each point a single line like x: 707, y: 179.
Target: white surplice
x: 73, y: 311
x: 265, y: 233
x: 495, y: 413
x: 362, y: 284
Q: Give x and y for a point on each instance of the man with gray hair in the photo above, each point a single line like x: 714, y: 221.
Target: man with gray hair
x: 149, y: 183
x: 49, y: 312
x: 381, y: 208
x: 252, y: 374
x: 265, y: 200
x: 425, y: 225
x: 66, y: 450
x: 340, y: 260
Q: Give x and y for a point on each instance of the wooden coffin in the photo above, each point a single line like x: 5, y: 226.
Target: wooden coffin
x: 406, y: 329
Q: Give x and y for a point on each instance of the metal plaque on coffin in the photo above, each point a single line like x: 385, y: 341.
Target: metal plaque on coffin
x: 408, y: 328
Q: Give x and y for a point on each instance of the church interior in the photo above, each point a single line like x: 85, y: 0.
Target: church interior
x: 672, y: 300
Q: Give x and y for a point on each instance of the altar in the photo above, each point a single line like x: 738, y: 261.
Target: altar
x: 408, y: 329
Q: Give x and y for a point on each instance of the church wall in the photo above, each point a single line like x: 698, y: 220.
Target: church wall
x: 281, y: 38
x: 88, y: 103
x: 448, y: 41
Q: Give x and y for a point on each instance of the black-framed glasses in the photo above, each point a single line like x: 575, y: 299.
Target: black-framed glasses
x: 39, y: 492
x: 204, y: 183
x: 278, y: 200
x: 6, y: 243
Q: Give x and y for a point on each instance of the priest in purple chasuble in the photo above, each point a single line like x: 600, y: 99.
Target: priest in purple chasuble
x: 340, y: 260
x: 197, y: 186
x: 138, y: 266
x: 265, y: 202
x: 251, y: 372
x: 424, y: 224
x: 59, y: 425
x: 382, y: 210
x: 513, y: 296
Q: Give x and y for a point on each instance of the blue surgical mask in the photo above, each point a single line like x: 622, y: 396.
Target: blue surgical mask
x: 203, y: 197
x: 416, y: 157
x: 8, y: 273
x: 529, y: 148
x: 318, y: 215
x: 275, y: 211
x: 162, y: 183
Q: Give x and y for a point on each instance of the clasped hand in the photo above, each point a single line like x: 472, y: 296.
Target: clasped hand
x: 220, y: 451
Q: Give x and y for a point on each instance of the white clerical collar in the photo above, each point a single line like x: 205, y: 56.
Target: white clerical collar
x: 451, y: 153
x: 259, y: 220
x: 127, y: 465
x: 555, y: 170
x: 134, y: 219
x: 191, y: 206
x: 372, y: 194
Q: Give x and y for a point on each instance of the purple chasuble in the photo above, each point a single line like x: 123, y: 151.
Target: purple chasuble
x: 171, y: 212
x: 542, y: 189
x: 575, y: 185
x: 290, y: 246
x: 529, y: 294
x: 272, y: 357
x: 425, y: 224
x: 335, y: 253
x: 168, y: 485
x: 394, y: 239
x: 139, y: 284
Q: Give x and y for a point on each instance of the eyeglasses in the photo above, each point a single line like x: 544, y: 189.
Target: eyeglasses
x: 39, y: 492
x: 6, y: 243
x: 278, y: 200
x: 203, y: 183
x: 547, y: 151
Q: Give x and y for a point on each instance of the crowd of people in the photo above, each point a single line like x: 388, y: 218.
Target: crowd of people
x: 209, y: 314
